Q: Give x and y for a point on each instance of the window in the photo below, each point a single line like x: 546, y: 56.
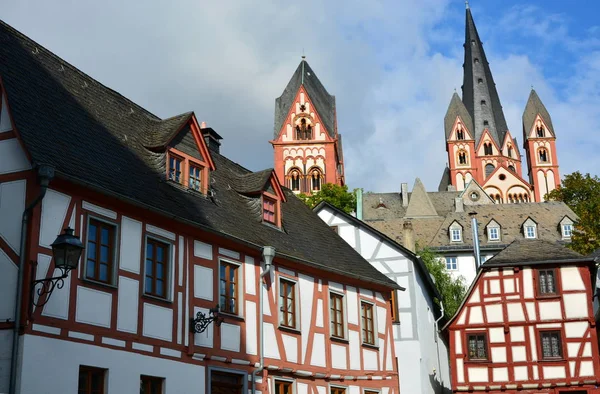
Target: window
x: 303, y: 130
x: 477, y: 346
x: 494, y: 234
x: 452, y: 263
x: 151, y: 385
x: 551, y: 345
x: 540, y: 129
x: 287, y: 303
x: 157, y: 265
x: 460, y: 135
x: 512, y: 168
x: 567, y: 230
x: 510, y: 151
x: 338, y: 390
x: 547, y: 282
x: 294, y: 180
x: 175, y: 167
x: 195, y: 182
x: 91, y: 380
x: 455, y: 234
x: 315, y: 177
x: 222, y: 382
x: 530, y: 231
x: 100, y: 251
x: 335, y: 228
x: 283, y: 387
x: 462, y: 157
x: 489, y: 168
x: 394, y: 307
x: 269, y: 210
x: 487, y: 149
x: 368, y: 325
x: 543, y: 155
x: 336, y: 306
x: 228, y: 286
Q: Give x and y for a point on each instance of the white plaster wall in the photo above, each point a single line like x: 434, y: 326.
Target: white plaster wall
x: 131, y: 245
x: 12, y: 205
x: 465, y: 268
x: 54, y: 211
x: 12, y: 157
x: 5, y: 353
x: 124, y: 368
x: 409, y: 366
x: 8, y: 287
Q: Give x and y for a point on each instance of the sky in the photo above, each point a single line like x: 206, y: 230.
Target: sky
x: 392, y: 65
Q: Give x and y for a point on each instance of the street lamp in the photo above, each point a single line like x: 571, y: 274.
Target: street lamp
x: 202, y: 321
x: 66, y: 250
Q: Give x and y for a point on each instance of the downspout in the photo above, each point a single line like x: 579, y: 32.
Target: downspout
x: 268, y: 254
x: 45, y: 174
x: 437, y: 346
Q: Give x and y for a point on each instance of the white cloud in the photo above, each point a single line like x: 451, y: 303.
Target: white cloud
x: 392, y: 67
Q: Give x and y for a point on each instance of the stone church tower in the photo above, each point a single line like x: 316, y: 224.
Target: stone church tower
x: 478, y: 141
x: 306, y: 143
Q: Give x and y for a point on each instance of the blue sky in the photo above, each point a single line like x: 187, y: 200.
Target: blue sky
x: 392, y: 66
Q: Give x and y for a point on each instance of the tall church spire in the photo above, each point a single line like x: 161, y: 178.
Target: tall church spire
x: 479, y: 90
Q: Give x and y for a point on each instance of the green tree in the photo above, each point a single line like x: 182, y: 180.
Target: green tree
x: 336, y: 195
x: 581, y: 193
x: 452, y: 290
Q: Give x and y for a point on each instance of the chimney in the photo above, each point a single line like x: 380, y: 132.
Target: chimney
x: 211, y: 138
x: 404, y: 192
x: 451, y: 188
x: 459, y: 205
x: 408, y: 238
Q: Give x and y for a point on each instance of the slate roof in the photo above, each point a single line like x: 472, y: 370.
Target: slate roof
x: 254, y: 182
x: 533, y: 251
x: 324, y: 102
x: 433, y: 230
x: 96, y: 137
x: 532, y: 109
x: 445, y: 180
x: 474, y: 92
x: 457, y: 108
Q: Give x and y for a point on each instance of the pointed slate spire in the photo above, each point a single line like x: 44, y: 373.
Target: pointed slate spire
x: 479, y: 90
x: 532, y: 109
x: 323, y: 102
x: 457, y: 108
x: 420, y: 204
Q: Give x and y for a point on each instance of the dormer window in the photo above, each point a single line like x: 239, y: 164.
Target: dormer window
x: 493, y: 231
x: 270, y: 210
x: 566, y: 227
x: 455, y: 232
x: 195, y: 178
x: 175, y: 166
x: 530, y: 229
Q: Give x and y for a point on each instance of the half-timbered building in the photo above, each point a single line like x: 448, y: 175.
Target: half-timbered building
x: 527, y: 324
x: 170, y: 228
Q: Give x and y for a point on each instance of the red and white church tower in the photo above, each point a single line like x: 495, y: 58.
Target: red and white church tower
x: 306, y: 143
x: 481, y: 147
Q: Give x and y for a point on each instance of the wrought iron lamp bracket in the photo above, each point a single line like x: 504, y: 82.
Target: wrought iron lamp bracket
x: 48, y: 285
x: 202, y: 321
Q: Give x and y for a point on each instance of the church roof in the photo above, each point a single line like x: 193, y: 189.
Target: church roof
x: 323, y: 102
x: 445, y: 181
x: 457, y: 108
x: 532, y: 109
x: 479, y: 90
x: 95, y: 137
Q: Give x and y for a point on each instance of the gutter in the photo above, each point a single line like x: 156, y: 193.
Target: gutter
x: 45, y: 174
x: 261, y: 366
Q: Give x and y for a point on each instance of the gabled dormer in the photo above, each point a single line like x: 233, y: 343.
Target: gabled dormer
x: 529, y: 228
x: 474, y: 194
x: 494, y: 231
x: 265, y: 194
x: 487, y: 145
x: 566, y: 227
x: 456, y: 232
x: 458, y: 122
x: 187, y: 159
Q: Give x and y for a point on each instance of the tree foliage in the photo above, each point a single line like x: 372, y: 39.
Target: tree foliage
x: 581, y: 193
x: 336, y: 195
x: 452, y: 290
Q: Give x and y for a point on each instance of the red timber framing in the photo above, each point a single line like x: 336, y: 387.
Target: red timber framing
x: 506, y: 306
x: 194, y: 253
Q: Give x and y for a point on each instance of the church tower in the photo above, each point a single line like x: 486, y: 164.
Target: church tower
x: 540, y: 147
x: 478, y: 141
x: 306, y: 143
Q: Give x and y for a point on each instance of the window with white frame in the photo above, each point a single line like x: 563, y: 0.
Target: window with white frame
x: 288, y: 307
x: 157, y: 268
x: 530, y: 229
x: 455, y: 232
x: 452, y: 263
x: 567, y: 230
x: 493, y: 231
x: 337, y: 315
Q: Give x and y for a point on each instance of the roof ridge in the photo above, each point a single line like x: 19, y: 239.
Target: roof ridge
x: 67, y: 64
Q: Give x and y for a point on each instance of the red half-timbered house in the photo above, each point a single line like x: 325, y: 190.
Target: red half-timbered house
x: 527, y: 324
x: 170, y: 227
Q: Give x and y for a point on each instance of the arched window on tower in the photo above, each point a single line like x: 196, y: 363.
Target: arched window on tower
x: 543, y: 155
x: 316, y: 178
x: 304, y: 130
x: 489, y: 168
x: 510, y: 151
x: 540, y: 129
x: 294, y: 180
x: 512, y: 168
x: 462, y: 157
x: 487, y: 149
x: 460, y: 133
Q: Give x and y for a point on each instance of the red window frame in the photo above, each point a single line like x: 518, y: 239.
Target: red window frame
x: 228, y: 287
x: 538, y: 278
x: 187, y: 164
x: 561, y: 342
x: 287, y: 303
x: 336, y: 306
x: 151, y: 385
x: 270, y: 210
x: 483, y: 334
x: 94, y: 247
x: 367, y: 317
x: 158, y: 284
x: 283, y: 387
x: 93, y: 380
